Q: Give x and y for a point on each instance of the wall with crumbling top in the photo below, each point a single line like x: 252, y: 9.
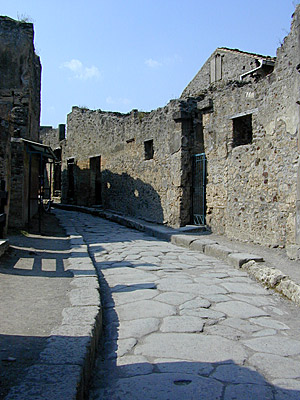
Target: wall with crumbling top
x: 52, y: 136
x: 251, y: 188
x: 20, y: 77
x: 241, y: 110
x: 20, y: 81
x: 133, y: 182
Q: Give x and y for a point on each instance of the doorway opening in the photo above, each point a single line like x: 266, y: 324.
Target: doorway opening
x: 95, y: 170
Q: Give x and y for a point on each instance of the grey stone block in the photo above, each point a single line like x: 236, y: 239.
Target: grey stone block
x: 66, y: 350
x: 289, y: 289
x: 277, y: 345
x: 218, y: 251
x: 240, y: 309
x: 4, y: 245
x: 80, y: 315
x: 77, y: 241
x: 49, y: 382
x: 276, y: 366
x: 89, y: 282
x: 175, y: 386
x: 183, y: 323
x: 271, y: 277
x: 192, y: 347
x: 248, y: 391
x: 183, y: 240
x: 199, y: 244
x: 293, y: 252
x: 84, y: 297
x: 238, y: 259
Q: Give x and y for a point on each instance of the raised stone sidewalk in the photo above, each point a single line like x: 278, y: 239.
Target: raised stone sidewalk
x: 64, y: 366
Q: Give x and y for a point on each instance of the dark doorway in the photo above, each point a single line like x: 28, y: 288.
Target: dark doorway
x: 95, y: 168
x: 71, y: 183
x: 199, y: 189
x: 3, y: 202
x: 57, y: 173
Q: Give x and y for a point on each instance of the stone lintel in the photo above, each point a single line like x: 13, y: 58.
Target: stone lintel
x: 205, y: 105
x: 242, y: 114
x: 181, y: 115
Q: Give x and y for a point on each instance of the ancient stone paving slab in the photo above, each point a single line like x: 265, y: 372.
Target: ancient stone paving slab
x: 183, y: 325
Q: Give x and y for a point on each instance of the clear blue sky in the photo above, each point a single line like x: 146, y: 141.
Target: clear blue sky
x: 123, y: 54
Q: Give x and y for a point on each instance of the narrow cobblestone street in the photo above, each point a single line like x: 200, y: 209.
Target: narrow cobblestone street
x: 181, y: 325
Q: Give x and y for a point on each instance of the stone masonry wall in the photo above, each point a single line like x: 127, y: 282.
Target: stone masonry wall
x: 20, y: 76
x: 148, y: 188
x: 5, y: 158
x: 251, y: 188
x: 234, y: 64
x: 20, y: 81
x: 52, y: 136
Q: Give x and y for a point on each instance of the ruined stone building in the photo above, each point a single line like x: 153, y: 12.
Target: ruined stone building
x: 20, y: 152
x: 225, y: 154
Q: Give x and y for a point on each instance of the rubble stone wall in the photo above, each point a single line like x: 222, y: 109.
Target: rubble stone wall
x: 52, y: 136
x: 131, y: 183
x: 20, y: 82
x: 251, y: 188
x: 233, y: 64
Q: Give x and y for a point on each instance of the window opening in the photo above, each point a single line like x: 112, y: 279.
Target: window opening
x: 149, y: 152
x: 62, y: 131
x: 242, y: 130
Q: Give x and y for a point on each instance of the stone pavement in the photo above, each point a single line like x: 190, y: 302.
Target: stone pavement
x: 270, y: 266
x: 50, y: 314
x: 179, y: 324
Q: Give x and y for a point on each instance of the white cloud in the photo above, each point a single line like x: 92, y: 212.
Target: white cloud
x: 167, y: 61
x: 153, y: 63
x: 80, y: 71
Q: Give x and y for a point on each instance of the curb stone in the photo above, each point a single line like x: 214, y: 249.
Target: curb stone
x: 270, y: 277
x: 4, y: 245
x: 65, y: 365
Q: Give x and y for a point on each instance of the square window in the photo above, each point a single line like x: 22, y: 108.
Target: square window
x: 242, y: 130
x: 149, y: 152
